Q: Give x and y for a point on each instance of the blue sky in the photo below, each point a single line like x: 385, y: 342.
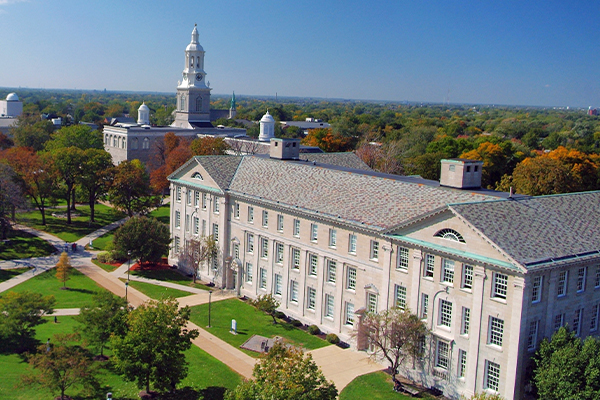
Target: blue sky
x: 494, y: 52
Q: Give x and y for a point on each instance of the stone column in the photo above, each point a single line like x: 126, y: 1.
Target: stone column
x: 362, y: 341
x: 477, y: 338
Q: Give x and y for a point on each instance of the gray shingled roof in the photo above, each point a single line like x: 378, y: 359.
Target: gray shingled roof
x: 378, y: 202
x: 220, y: 168
x: 345, y: 160
x: 539, y: 229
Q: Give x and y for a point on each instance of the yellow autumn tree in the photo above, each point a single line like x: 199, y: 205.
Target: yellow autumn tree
x: 63, y: 269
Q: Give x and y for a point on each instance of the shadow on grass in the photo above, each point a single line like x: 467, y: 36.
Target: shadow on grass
x: 84, y: 291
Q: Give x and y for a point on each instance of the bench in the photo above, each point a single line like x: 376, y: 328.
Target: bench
x: 410, y: 390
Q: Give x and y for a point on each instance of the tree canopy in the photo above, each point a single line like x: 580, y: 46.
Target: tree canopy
x: 130, y: 188
x: 146, y: 239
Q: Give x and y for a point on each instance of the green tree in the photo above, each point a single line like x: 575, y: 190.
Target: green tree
x: 80, y: 136
x: 567, y: 367
x: 152, y: 349
x: 96, y: 175
x: 267, y: 304
x: 146, y: 239
x: 60, y: 365
x: 64, y: 269
x: 31, y: 132
x: 68, y: 161
x: 209, y: 146
x: 196, y: 252
x: 104, y: 317
x: 21, y: 313
x: 11, y: 198
x: 286, y: 373
x: 130, y: 189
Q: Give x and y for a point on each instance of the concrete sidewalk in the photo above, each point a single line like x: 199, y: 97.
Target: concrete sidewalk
x: 84, y: 241
x: 38, y: 265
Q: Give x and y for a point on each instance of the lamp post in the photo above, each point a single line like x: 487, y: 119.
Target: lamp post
x: 126, y: 286
x: 128, y: 264
x: 209, y: 296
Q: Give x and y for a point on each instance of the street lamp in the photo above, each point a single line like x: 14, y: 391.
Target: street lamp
x: 128, y: 264
x: 126, y: 286
x: 209, y: 296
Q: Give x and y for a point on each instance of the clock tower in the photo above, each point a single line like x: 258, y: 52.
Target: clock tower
x: 193, y: 93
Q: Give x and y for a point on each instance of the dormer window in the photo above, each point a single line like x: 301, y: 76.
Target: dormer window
x: 196, y: 175
x: 450, y: 234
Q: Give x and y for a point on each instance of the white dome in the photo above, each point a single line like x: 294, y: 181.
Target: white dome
x: 267, y: 118
x: 143, y: 107
x: 12, y: 97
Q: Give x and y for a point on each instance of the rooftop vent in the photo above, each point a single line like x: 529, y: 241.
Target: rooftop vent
x: 285, y: 149
x: 461, y: 173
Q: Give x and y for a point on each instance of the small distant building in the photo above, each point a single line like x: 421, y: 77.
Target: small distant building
x: 592, y: 111
x: 12, y: 107
x: 309, y: 123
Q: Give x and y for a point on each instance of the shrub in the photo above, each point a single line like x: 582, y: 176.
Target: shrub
x: 314, y: 330
x: 296, y: 323
x: 105, y: 257
x: 332, y: 338
x: 280, y: 315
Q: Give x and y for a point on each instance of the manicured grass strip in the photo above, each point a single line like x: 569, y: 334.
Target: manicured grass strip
x: 103, y: 241
x: 21, y: 244
x: 169, y: 275
x: 161, y: 214
x: 375, y: 386
x: 249, y: 322
x: 6, y: 274
x: 106, y: 267
x: 157, y: 292
x: 80, y: 226
x: 80, y: 292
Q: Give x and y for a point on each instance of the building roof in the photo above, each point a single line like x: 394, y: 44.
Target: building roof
x: 537, y: 230
x: 345, y: 160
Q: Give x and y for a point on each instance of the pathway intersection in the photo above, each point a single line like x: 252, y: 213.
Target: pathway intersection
x: 339, y: 365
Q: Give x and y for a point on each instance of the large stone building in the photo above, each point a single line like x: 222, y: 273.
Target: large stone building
x: 491, y: 274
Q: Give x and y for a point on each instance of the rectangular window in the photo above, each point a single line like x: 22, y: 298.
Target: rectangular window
x: 331, y: 271
x: 265, y: 218
x: 178, y: 195
x: 279, y: 253
x: 215, y: 232
x: 448, y: 271
x: 492, y: 376
x: 374, y: 250
x: 196, y: 225
x: 500, y: 288
x: 445, y: 313
x: 581, y: 274
x: 349, y: 320
x: 176, y: 245
x: 311, y: 298
x: 296, y: 228
x: 332, y: 238
x: 329, y: 305
x: 204, y: 200
x: 597, y: 281
x: 295, y: 258
x: 559, y: 321
x: 250, y: 214
x: 462, y: 363
x: 536, y: 289
x: 248, y: 272
x: 314, y: 230
x: 466, y: 321
x: 594, y: 320
x: 216, y: 205
x: 402, y: 262
x: 263, y: 278
x: 236, y: 210
x: 250, y: 244
x: 424, y: 306
x: 496, y: 331
x: 400, y: 297
x: 264, y: 247
x: 562, y: 283
x: 280, y: 223
x: 236, y: 251
x: 187, y: 222
x: 203, y: 227
x: 532, y: 336
x: 467, y: 277
x: 429, y: 266
x: 294, y: 291
x: 351, y: 278
x: 352, y: 243
x: 313, y: 263
x: 442, y: 359
x: 372, y: 302
x: 188, y: 197
x: 577, y: 321
x: 196, y: 199
x: 277, y: 289
x: 177, y: 219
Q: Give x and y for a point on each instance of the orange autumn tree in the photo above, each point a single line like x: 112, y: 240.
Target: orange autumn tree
x: 327, y: 140
x: 63, y: 269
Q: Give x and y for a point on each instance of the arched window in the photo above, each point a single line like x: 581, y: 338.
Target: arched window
x: 134, y: 144
x: 124, y: 143
x: 182, y: 103
x: 450, y: 234
x: 199, y: 103
x: 115, y: 142
x: 146, y: 143
x: 192, y: 62
x: 196, y: 175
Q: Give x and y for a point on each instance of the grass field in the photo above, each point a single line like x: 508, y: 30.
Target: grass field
x: 80, y: 225
x: 6, y: 274
x: 106, y: 267
x: 249, y: 322
x: 207, y: 376
x: 375, y: 386
x: 169, y: 275
x: 157, y: 292
x: 24, y: 245
x: 80, y: 292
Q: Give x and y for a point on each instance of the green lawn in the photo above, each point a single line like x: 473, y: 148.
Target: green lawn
x: 249, y: 322
x: 374, y: 386
x: 208, y: 376
x: 157, y: 292
x: 80, y: 292
x: 6, y: 274
x: 24, y: 245
x: 169, y: 275
x: 161, y: 213
x: 80, y: 225
x: 106, y: 267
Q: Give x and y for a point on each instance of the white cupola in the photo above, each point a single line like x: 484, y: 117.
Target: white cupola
x: 193, y: 72
x: 143, y: 115
x: 267, y: 128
